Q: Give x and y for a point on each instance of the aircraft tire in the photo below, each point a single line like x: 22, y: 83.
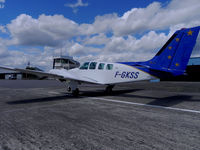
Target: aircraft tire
x: 75, y: 93
x: 69, y: 89
x: 109, y: 89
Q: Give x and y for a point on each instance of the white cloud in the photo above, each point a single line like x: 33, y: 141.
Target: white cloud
x: 155, y: 17
x: 3, y: 52
x: 137, y: 49
x: 44, y: 31
x: 77, y: 49
x: 2, y: 29
x: 2, y: 4
x: 11, y: 58
x: 99, y: 39
x: 78, y: 4
x: 75, y: 6
x: 102, y: 24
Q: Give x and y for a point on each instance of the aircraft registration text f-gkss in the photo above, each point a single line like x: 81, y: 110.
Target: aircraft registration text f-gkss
x: 125, y: 74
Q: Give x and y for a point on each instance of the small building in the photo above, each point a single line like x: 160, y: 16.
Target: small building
x: 65, y: 62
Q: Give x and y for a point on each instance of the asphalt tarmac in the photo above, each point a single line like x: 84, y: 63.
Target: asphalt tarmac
x: 42, y: 115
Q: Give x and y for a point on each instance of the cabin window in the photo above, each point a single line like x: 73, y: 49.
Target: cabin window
x: 101, y: 66
x: 92, y: 65
x: 84, y: 66
x: 109, y: 66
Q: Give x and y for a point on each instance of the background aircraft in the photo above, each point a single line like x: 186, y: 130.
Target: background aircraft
x: 171, y: 60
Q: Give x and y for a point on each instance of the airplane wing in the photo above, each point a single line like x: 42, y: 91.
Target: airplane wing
x: 38, y: 73
x: 59, y: 74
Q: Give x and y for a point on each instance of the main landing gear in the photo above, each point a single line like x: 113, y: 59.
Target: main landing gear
x: 75, y: 92
x: 109, y: 89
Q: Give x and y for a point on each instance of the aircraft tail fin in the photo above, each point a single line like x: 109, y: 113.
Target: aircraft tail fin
x: 173, y: 57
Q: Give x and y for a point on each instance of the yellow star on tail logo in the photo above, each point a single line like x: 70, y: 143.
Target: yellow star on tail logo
x: 190, y: 33
x: 170, y: 47
x: 177, y: 39
x: 177, y: 64
x: 169, y: 57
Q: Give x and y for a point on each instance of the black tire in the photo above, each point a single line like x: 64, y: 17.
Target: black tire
x: 109, y: 89
x: 75, y: 93
x: 69, y: 89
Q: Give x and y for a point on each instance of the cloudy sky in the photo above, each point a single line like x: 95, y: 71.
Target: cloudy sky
x: 101, y: 30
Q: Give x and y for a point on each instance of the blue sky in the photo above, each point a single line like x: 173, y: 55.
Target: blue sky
x: 132, y: 30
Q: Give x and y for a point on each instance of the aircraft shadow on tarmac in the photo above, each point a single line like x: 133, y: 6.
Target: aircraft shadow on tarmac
x: 164, y: 101
x: 37, y: 100
x: 65, y: 96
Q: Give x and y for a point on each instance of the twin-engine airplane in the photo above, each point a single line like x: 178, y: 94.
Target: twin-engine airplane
x: 171, y: 60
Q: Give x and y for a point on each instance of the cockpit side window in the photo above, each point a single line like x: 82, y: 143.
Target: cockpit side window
x: 101, y: 66
x: 84, y: 66
x: 92, y: 65
x: 109, y: 66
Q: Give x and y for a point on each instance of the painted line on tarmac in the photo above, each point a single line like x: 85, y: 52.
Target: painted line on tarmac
x: 53, y: 92
x: 146, y: 105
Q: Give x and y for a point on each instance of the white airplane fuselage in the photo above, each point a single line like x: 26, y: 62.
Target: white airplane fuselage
x: 119, y: 73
